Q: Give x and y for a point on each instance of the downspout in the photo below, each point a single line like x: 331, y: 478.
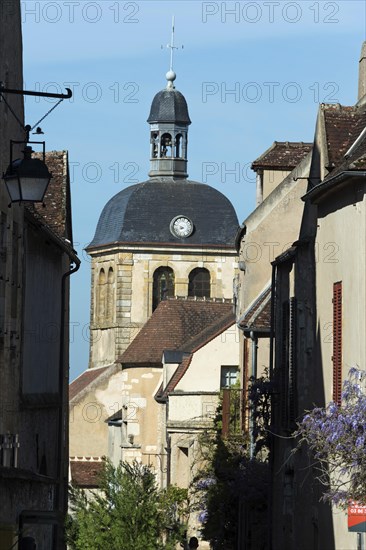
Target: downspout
x: 271, y: 364
x: 60, y: 500
x: 254, y: 340
x: 271, y: 338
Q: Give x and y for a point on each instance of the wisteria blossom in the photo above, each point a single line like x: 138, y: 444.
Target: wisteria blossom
x: 336, y: 436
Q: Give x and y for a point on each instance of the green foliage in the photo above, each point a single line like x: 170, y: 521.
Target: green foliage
x: 128, y: 512
x: 228, y: 481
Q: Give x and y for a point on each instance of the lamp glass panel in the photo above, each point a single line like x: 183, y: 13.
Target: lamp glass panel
x: 12, y: 185
x: 33, y: 189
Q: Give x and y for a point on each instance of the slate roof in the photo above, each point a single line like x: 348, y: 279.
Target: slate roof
x: 283, y: 155
x: 258, y: 315
x: 174, y: 325
x: 84, y: 380
x: 56, y: 207
x: 142, y: 213
x: 169, y: 106
x: 86, y: 473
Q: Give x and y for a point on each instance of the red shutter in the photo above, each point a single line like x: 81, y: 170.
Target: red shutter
x: 292, y: 374
x: 337, y: 342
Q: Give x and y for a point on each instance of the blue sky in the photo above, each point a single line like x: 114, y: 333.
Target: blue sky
x: 252, y: 73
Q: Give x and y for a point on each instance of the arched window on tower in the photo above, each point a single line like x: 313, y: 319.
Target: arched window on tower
x: 101, y: 296
x: 154, y: 144
x: 199, y: 283
x: 163, y: 285
x: 178, y: 140
x: 166, y: 146
x: 110, y: 294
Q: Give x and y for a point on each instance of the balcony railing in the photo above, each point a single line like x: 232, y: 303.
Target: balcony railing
x: 233, y: 412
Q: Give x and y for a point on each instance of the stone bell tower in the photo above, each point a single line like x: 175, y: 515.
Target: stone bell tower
x: 169, y: 121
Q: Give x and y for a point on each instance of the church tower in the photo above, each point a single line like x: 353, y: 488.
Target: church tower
x: 169, y: 121
x: 164, y: 237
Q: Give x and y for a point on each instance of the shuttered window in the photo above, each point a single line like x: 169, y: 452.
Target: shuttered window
x: 292, y: 375
x: 337, y: 342
x: 288, y: 364
x: 284, y: 363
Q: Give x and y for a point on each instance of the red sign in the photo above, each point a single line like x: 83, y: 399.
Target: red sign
x: 356, y: 518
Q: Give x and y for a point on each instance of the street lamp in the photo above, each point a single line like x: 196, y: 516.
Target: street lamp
x: 27, y: 179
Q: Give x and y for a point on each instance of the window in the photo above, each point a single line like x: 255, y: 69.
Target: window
x: 166, y: 146
x: 163, y: 285
x: 154, y: 140
x: 101, y: 296
x: 110, y: 294
x: 337, y: 342
x: 229, y: 376
x: 288, y: 374
x: 199, y: 283
x: 177, y: 145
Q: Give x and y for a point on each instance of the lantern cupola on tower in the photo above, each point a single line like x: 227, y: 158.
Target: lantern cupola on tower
x: 169, y: 121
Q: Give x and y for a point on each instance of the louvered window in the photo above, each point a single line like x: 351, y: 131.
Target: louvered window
x: 199, y: 283
x: 163, y: 285
x: 337, y: 342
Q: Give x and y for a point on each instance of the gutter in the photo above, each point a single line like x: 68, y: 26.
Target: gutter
x: 323, y: 187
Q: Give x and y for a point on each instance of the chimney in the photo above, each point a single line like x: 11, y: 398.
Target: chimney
x: 362, y: 73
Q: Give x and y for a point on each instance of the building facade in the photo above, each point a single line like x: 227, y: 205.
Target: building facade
x: 35, y: 261
x: 318, y: 323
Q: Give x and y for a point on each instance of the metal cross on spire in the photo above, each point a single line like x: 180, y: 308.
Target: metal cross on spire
x: 172, y: 46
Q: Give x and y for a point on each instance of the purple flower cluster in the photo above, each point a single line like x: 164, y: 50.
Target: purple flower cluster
x: 337, y: 435
x: 205, y: 483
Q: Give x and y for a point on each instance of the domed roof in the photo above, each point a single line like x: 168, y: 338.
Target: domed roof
x: 143, y: 213
x: 169, y: 106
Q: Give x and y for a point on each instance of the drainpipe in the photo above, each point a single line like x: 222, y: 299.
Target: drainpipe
x: 271, y: 364
x: 254, y: 340
x: 60, y: 499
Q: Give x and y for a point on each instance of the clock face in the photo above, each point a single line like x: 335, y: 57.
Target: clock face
x: 181, y: 226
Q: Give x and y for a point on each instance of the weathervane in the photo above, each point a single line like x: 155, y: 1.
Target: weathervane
x: 171, y: 74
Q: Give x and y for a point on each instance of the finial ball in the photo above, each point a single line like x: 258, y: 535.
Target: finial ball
x: 170, y: 75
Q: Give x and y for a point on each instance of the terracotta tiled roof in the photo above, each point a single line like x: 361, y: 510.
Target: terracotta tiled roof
x: 283, y: 155
x: 86, y: 473
x: 178, y: 375
x: 343, y: 125
x: 221, y: 323
x: 172, y: 325
x: 84, y: 380
x: 57, y: 203
x: 344, y: 128
x: 258, y: 316
x: 216, y: 328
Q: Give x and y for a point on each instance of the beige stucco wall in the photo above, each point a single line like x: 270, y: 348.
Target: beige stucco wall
x: 131, y: 390
x: 270, y: 180
x: 132, y: 290
x: 340, y: 249
x: 196, y: 407
x: 88, y: 413
x: 270, y: 230
x: 205, y: 369
x: 341, y: 257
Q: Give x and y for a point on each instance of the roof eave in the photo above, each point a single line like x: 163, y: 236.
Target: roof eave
x: 316, y: 194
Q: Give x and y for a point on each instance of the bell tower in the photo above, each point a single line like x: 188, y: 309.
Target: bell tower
x: 169, y: 121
